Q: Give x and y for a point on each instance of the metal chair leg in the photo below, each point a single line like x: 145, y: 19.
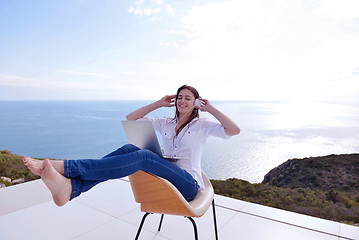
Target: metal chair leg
x: 215, y: 220
x: 194, y: 227
x: 141, y: 225
x: 159, y: 227
x: 191, y: 219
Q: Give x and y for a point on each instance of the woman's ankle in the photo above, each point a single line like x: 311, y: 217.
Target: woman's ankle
x: 58, y: 165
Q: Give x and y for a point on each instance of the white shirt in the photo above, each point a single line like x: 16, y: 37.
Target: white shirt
x: 189, y: 143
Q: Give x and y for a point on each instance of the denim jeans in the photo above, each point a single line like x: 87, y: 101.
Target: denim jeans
x: 86, y: 173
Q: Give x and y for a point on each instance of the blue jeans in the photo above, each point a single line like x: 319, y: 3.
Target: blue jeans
x: 86, y: 173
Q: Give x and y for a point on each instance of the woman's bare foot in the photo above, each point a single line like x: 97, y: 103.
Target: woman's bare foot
x: 59, y: 186
x: 35, y: 165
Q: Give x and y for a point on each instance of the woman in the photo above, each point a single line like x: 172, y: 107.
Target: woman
x: 183, y: 136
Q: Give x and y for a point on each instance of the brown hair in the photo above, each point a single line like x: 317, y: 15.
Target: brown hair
x: 195, y: 111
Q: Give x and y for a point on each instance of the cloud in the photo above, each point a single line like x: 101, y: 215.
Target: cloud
x: 144, y: 11
x: 170, y: 10
x: 157, y: 1
x: 142, y: 8
x: 61, y: 83
x: 344, y: 9
x: 90, y: 74
x: 150, y: 8
x: 255, y: 46
x: 185, y: 33
x: 169, y: 44
x: 231, y: 26
x: 18, y: 81
x: 76, y: 87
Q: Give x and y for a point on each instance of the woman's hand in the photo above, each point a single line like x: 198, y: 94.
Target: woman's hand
x: 206, y: 106
x: 167, y: 101
x: 230, y: 127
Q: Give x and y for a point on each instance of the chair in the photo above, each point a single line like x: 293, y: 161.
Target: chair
x: 157, y: 195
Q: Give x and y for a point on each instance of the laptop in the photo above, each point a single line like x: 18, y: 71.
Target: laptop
x: 143, y: 135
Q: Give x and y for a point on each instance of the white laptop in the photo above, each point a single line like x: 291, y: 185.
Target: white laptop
x: 143, y: 135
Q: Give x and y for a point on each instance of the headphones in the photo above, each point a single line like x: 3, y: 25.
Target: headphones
x: 197, y: 103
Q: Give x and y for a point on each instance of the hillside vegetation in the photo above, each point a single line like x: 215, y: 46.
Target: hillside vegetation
x: 325, y: 187
x: 12, y: 167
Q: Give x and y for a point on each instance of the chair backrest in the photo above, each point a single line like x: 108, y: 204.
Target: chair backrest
x: 157, y: 195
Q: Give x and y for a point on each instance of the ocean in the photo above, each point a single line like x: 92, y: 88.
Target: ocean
x: 271, y: 132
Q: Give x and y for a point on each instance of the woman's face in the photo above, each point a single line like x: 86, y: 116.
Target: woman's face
x: 185, y: 101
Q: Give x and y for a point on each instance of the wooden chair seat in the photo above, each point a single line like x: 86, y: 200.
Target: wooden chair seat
x: 157, y: 195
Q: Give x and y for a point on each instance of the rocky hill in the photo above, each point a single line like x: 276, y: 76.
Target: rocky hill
x: 325, y: 187
x: 333, y: 172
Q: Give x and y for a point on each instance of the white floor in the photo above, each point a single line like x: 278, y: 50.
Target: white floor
x: 109, y: 211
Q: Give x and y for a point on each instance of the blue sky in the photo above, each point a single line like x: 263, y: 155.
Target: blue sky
x: 280, y: 50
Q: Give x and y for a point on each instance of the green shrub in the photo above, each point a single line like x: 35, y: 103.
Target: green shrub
x: 11, y: 166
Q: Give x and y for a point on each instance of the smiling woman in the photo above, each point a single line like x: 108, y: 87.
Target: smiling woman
x: 185, y: 104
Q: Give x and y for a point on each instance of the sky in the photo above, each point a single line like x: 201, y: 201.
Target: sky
x: 253, y: 50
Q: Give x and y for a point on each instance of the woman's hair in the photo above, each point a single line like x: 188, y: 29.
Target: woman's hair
x: 195, y: 111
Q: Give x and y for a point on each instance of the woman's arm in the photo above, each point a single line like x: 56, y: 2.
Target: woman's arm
x: 230, y: 127
x: 166, y: 101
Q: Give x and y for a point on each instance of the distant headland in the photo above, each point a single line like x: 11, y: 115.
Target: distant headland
x: 325, y: 187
